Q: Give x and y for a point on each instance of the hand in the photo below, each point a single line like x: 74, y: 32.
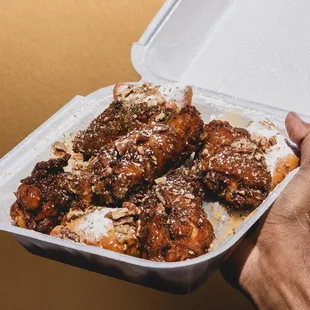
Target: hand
x: 272, y: 264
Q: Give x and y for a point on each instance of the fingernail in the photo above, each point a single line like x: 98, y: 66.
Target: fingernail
x: 294, y: 114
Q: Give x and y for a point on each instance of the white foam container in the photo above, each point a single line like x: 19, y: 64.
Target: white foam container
x: 235, y: 54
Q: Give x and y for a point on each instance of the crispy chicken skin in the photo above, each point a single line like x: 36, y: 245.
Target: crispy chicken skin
x: 232, y: 165
x: 112, y: 229
x: 43, y: 197
x: 133, y: 106
x: 134, y: 161
x: 174, y: 226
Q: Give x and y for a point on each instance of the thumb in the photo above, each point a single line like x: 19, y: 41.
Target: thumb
x: 299, y: 132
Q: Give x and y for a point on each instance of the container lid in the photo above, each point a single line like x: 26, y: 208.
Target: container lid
x: 257, y: 50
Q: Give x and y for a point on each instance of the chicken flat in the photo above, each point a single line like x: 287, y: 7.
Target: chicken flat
x: 112, y: 229
x: 174, y: 226
x: 134, y: 161
x: 232, y: 165
x: 133, y: 106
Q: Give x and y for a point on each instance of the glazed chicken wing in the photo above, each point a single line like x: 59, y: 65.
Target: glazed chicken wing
x: 133, y: 106
x: 43, y: 197
x: 135, y: 160
x: 279, y: 153
x: 112, y: 229
x: 174, y: 226
x: 233, y: 166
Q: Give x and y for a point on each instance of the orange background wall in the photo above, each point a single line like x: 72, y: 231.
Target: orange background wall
x: 51, y: 51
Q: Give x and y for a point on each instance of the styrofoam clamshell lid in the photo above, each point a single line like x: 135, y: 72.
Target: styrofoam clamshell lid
x: 256, y: 50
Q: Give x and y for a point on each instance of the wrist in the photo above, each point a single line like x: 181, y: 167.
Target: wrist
x: 272, y: 280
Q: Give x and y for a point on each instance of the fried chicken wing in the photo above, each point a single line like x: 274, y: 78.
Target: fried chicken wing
x: 233, y: 166
x: 174, y: 226
x: 133, y: 106
x: 135, y: 160
x: 112, y: 229
x: 173, y: 94
x: 43, y: 197
x: 279, y: 153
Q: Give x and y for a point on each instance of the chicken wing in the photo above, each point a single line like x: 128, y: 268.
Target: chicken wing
x: 135, y: 160
x: 47, y: 194
x: 233, y: 166
x: 174, y: 226
x: 279, y: 153
x: 112, y: 229
x: 133, y: 106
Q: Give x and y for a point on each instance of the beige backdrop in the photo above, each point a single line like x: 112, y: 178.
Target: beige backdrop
x: 51, y: 51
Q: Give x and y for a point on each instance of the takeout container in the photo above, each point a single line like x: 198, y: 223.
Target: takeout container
x: 203, y: 43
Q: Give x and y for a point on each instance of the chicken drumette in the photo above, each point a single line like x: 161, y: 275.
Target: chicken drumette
x: 45, y: 196
x: 232, y: 165
x: 174, y: 226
